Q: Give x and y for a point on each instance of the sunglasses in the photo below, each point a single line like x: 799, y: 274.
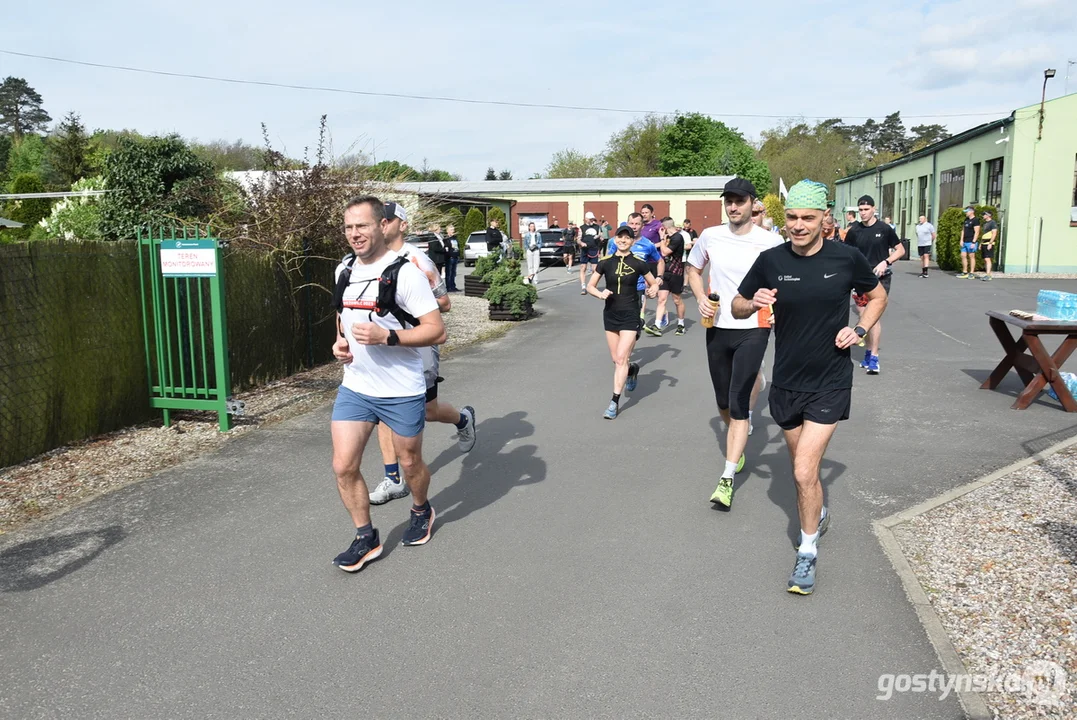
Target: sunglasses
x: 756, y: 213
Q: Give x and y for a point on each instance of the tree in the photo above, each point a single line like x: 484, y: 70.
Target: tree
x: 455, y: 218
x: 76, y: 217
x: 491, y: 174
x: 572, y: 164
x: 155, y: 180
x: 429, y: 174
x: 5, y: 151
x: 30, y: 211
x: 775, y: 209
x: 390, y: 170
x: 795, y: 151
x: 891, y: 136
x: 740, y: 160
x: 103, y: 142
x: 695, y: 144
x: 633, y: 151
x: 495, y: 213
x: 473, y: 222
x: 20, y: 108
x: 66, y: 150
x: 223, y: 155
x: 27, y: 157
x: 924, y: 135
x: 504, y: 175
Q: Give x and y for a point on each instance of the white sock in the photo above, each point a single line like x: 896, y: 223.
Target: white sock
x: 730, y: 469
x: 807, y: 542
x: 680, y: 321
x: 749, y: 417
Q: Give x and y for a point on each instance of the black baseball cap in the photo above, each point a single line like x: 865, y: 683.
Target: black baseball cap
x: 623, y: 230
x: 395, y: 210
x: 741, y: 187
x: 866, y: 200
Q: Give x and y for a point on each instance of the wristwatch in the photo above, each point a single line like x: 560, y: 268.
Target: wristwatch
x: 393, y: 339
x: 860, y: 332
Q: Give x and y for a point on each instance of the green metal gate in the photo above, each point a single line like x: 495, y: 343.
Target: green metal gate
x: 184, y: 322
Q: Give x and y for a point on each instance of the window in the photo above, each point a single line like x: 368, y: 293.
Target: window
x: 952, y: 187
x: 976, y: 183
x: 923, y: 195
x: 887, y: 208
x: 994, y: 182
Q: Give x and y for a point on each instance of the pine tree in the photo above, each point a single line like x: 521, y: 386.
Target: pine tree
x: 20, y: 108
x: 67, y: 150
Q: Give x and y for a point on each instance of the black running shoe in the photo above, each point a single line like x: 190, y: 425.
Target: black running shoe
x: 420, y: 528
x: 362, y: 551
x: 633, y: 373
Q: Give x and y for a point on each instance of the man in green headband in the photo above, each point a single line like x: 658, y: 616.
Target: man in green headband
x: 807, y: 283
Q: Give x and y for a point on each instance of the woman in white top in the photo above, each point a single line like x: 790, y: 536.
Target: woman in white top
x: 532, y: 243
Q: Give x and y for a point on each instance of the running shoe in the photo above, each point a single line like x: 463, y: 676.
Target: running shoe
x: 583, y: 291
x: 963, y: 276
x: 867, y: 359
x: 972, y: 276
x: 652, y: 330
x: 740, y: 463
x: 388, y: 489
x: 611, y: 411
x: 465, y: 438
x: 633, y: 374
x: 723, y: 494
x: 420, y: 528
x: 824, y: 525
x: 986, y: 278
x: 664, y: 324
x: 680, y: 330
x: 802, y: 580
x: 361, y: 551
x: 873, y: 365
x: 643, y: 316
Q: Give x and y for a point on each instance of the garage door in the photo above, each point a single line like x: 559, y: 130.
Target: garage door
x: 661, y: 207
x: 602, y: 209
x: 703, y: 213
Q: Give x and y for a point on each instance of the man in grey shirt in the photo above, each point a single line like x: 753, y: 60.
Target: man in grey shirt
x: 925, y: 235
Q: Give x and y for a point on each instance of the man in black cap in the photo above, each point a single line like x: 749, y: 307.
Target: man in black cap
x: 881, y: 246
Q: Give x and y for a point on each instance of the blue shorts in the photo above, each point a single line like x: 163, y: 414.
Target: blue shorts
x: 968, y: 247
x: 589, y: 257
x: 404, y: 416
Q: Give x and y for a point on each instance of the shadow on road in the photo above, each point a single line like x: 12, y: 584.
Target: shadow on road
x: 1011, y: 386
x: 37, y: 563
x: 488, y: 472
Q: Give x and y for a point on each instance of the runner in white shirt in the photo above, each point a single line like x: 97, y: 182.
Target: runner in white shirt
x: 735, y: 348
x: 383, y: 375
x: 394, y: 486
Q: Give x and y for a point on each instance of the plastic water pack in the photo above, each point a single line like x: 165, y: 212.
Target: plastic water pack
x: 1057, y: 305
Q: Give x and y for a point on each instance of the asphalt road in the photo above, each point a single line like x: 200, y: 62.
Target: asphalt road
x: 577, y: 569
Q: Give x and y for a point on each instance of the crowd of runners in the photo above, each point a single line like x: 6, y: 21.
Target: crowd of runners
x: 390, y: 298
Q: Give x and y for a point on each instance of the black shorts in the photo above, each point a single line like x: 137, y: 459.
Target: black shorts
x: 924, y: 250
x: 673, y: 283
x: 621, y: 320
x: 734, y: 357
x: 432, y: 391
x: 790, y: 408
x: 987, y: 252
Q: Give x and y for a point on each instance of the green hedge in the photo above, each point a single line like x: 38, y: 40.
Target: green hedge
x: 72, y: 358
x: 948, y: 242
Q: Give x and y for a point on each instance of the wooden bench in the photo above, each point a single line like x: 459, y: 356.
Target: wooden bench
x: 1036, y: 368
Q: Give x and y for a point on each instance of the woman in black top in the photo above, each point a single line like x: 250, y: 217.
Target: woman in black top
x: 621, y: 271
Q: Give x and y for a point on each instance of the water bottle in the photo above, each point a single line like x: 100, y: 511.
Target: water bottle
x: 712, y: 300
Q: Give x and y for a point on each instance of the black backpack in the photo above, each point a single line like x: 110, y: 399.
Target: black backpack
x: 386, y: 302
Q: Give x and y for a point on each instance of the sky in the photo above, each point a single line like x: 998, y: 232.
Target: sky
x: 959, y: 63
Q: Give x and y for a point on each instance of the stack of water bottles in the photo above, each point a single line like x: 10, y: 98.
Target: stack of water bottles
x: 1057, y: 305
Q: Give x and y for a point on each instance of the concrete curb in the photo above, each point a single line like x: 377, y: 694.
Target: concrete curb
x: 973, y: 703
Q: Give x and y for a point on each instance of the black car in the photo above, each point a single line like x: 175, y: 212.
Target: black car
x: 553, y: 248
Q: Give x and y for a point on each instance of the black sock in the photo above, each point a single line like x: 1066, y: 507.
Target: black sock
x: 616, y: 397
x: 462, y: 423
x: 425, y: 507
x: 365, y: 531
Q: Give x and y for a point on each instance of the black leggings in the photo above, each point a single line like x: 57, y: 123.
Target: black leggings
x: 735, y: 356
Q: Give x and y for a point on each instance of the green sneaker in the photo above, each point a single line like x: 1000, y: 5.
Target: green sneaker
x: 963, y: 276
x: 740, y: 465
x: 723, y: 494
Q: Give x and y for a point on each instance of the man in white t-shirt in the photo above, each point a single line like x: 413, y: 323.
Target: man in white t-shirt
x: 393, y: 486
x: 735, y: 348
x: 383, y: 375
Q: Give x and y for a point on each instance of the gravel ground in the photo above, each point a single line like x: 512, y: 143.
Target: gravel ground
x: 63, y: 477
x: 998, y: 567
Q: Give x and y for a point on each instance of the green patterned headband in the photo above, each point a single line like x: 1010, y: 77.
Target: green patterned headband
x: 807, y: 194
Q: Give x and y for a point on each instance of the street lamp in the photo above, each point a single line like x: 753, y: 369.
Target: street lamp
x: 1047, y: 75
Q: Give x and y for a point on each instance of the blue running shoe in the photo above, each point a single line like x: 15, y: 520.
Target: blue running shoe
x: 362, y: 551
x: 420, y: 528
x: 633, y: 374
x: 611, y: 411
x: 802, y: 581
x: 873, y: 365
x: 866, y: 360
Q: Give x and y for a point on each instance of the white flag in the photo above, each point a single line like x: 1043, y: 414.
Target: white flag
x: 781, y: 189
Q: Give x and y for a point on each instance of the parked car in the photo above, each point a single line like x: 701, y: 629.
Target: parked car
x: 420, y: 241
x: 553, y: 248
x: 475, y: 247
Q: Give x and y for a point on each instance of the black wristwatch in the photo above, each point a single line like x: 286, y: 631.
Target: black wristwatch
x: 394, y: 339
x: 860, y: 332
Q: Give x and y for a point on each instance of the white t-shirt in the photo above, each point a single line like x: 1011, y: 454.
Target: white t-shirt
x: 380, y: 370
x: 731, y: 257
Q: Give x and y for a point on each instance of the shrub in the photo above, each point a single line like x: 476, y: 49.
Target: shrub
x: 28, y: 212
x: 514, y: 296
x: 74, y: 217
x: 502, y: 223
x: 775, y: 209
x: 474, y: 222
x: 456, y: 219
x: 484, y: 267
x: 948, y: 242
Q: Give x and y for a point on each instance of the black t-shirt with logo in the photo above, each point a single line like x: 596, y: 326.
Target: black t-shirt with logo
x: 874, y: 240
x: 591, y: 236
x: 969, y: 231
x: 621, y: 275
x: 988, y: 227
x: 812, y: 305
